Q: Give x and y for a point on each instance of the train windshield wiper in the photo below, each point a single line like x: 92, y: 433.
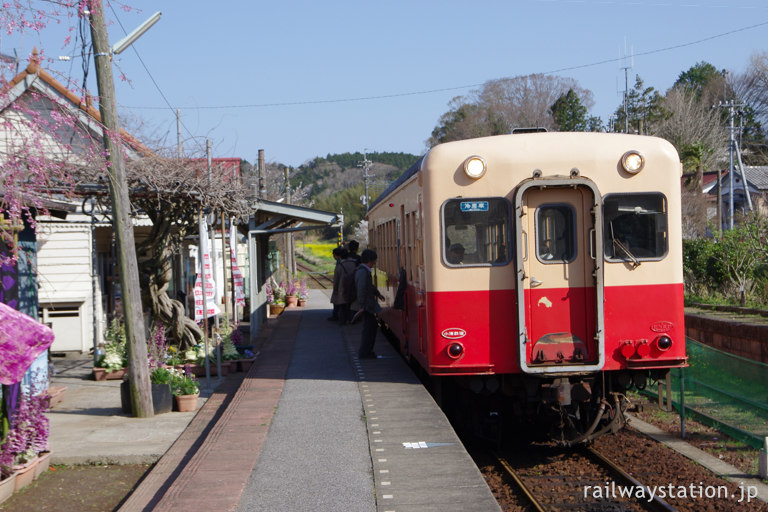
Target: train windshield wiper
x: 623, y: 248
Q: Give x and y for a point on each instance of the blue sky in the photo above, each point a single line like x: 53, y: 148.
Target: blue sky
x: 289, y: 77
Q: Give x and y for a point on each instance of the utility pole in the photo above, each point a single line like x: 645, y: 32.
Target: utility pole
x: 366, y: 165
x: 626, y: 88
x: 732, y: 106
x: 262, y: 171
x: 178, y: 133
x: 141, y: 396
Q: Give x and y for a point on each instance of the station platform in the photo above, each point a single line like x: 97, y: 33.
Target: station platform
x: 311, y: 427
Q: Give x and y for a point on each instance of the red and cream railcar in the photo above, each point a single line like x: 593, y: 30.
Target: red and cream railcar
x: 538, y: 268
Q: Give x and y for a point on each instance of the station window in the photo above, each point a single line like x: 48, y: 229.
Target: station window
x: 635, y: 226
x: 555, y: 233
x: 476, y: 232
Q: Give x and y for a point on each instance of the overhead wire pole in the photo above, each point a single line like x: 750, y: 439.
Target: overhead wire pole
x: 731, y: 106
x: 366, y: 165
x: 141, y: 396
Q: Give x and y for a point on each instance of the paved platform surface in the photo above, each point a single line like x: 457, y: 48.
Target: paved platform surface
x: 310, y: 427
x: 89, y: 426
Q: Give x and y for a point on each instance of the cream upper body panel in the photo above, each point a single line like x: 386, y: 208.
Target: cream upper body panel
x: 511, y: 159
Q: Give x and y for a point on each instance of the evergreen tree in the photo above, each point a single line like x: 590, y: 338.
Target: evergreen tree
x: 645, y: 107
x: 569, y: 114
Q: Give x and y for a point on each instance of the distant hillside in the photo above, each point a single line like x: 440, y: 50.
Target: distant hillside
x: 335, y: 183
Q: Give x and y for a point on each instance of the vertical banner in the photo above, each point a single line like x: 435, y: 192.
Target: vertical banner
x: 237, y: 275
x: 204, y: 256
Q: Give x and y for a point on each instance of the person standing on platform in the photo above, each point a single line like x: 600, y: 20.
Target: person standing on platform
x: 336, y: 280
x: 367, y: 296
x: 354, y: 245
x: 347, y: 287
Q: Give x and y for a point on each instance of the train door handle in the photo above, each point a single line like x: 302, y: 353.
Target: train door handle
x: 535, y: 282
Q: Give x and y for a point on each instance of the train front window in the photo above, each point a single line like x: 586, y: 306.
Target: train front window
x: 555, y: 233
x: 635, y: 227
x: 476, y: 232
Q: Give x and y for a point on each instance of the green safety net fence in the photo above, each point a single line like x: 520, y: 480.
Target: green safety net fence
x: 724, y: 390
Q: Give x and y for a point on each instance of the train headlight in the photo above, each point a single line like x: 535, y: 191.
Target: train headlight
x: 632, y: 162
x: 474, y: 167
x: 664, y: 343
x: 455, y: 350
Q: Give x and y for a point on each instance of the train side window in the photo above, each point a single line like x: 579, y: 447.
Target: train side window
x: 555, y: 233
x: 635, y: 227
x: 476, y: 232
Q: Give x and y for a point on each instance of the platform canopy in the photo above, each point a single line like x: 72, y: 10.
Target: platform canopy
x: 272, y: 218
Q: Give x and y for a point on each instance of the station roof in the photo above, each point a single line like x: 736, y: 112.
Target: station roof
x: 271, y: 217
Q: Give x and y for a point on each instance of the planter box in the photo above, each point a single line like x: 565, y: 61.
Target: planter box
x: 162, y: 398
x: 103, y: 374
x: 7, y: 486
x: 198, y: 370
x: 43, y: 463
x: 55, y: 395
x: 243, y: 365
x: 24, y: 474
x: 243, y: 348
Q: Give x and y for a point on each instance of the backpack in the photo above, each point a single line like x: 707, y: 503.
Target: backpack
x: 348, y: 286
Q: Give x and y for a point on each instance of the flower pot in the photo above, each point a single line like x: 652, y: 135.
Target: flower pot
x: 186, y: 403
x: 162, y: 398
x: 43, y: 463
x: 291, y: 300
x: 103, y: 374
x: 24, y: 474
x: 7, y: 486
x: 302, y: 303
x: 276, y: 310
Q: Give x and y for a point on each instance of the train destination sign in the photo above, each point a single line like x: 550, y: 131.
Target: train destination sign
x: 474, y: 206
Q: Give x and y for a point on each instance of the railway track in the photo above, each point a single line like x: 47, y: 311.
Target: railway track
x: 321, y: 280
x: 580, y: 480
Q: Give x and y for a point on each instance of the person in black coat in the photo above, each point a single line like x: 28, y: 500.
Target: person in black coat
x: 367, y: 298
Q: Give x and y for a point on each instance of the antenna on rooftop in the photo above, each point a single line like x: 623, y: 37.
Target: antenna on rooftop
x: 626, y: 81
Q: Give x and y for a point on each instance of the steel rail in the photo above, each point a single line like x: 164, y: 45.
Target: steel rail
x: 657, y: 503
x: 524, y: 488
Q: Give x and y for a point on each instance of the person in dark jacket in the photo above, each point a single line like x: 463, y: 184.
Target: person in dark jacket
x: 367, y: 298
x: 354, y: 245
x: 335, y: 292
x: 344, y: 281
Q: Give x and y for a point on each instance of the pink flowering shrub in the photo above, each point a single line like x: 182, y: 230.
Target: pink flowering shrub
x: 28, y: 433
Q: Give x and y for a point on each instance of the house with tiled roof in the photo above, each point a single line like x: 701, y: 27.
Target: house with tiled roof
x: 755, y: 191
x: 70, y: 250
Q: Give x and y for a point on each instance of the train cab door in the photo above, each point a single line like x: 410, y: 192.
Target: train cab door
x: 559, y: 268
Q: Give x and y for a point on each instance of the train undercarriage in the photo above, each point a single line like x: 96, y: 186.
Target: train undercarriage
x: 568, y: 410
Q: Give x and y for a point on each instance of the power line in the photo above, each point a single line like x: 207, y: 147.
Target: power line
x: 445, y: 89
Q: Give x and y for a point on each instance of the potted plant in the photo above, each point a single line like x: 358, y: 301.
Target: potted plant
x: 303, y: 292
x: 229, y: 353
x: 112, y: 362
x: 185, y: 390
x: 291, y: 299
x: 244, y: 364
x: 27, y: 438
x: 275, y: 297
x: 160, y: 387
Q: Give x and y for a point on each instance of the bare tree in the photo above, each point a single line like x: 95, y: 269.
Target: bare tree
x: 696, y: 131
x: 506, y: 103
x: 752, y: 86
